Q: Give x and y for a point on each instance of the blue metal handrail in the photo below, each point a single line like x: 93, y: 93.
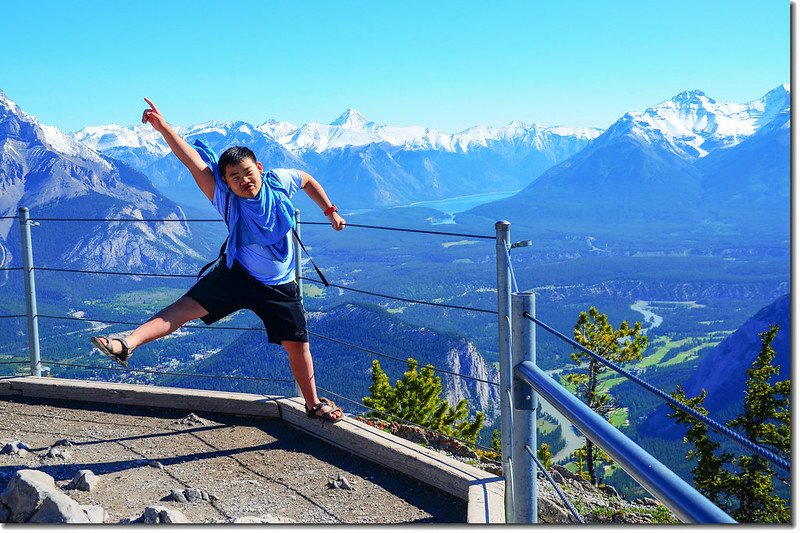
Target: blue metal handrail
x: 677, y: 495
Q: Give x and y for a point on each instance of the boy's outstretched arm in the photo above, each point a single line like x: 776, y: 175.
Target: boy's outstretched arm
x: 188, y: 155
x: 315, y: 191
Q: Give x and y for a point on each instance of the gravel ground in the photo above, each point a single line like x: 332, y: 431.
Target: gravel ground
x: 253, y: 467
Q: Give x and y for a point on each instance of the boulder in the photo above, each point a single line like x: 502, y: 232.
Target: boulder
x: 58, y: 508
x: 95, y: 513
x: 25, y: 493
x: 84, y: 480
x: 5, y: 514
x: 155, y: 514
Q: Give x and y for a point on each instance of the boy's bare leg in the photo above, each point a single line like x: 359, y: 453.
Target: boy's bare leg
x: 302, y: 368
x: 163, y: 323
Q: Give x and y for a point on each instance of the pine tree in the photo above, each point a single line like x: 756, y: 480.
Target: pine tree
x: 545, y: 455
x: 744, y: 485
x: 621, y: 346
x: 416, y: 397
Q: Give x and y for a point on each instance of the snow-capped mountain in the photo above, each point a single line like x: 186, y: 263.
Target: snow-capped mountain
x: 51, y: 173
x: 686, y: 167
x: 363, y: 163
x: 354, y: 129
x: 695, y: 124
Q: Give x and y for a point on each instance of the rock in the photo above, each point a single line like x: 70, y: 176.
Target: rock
x: 84, y: 480
x: 340, y: 483
x: 95, y: 513
x: 64, y: 442
x: 193, y: 495
x: 57, y: 453
x: 15, y: 447
x: 155, y: 514
x: 25, y: 493
x: 551, y: 511
x: 58, y: 508
x: 189, y: 495
x: 191, y: 420
x: 147, y: 462
x: 176, y: 495
x: 5, y: 514
x: 609, y: 490
x: 566, y: 474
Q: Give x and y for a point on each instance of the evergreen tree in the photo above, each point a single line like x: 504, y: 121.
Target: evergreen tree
x: 416, y: 397
x: 621, y: 346
x: 545, y: 456
x: 744, y: 485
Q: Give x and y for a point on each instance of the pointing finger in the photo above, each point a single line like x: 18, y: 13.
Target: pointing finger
x: 152, y: 105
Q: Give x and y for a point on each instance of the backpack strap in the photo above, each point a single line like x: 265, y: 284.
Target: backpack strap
x: 319, y: 272
x: 221, y: 254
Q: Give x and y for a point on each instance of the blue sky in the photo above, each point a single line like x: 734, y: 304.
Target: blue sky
x: 446, y: 65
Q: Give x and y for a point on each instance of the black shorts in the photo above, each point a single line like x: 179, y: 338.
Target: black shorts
x: 224, y: 291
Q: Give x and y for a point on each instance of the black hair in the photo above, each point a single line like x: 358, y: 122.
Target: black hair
x: 233, y: 156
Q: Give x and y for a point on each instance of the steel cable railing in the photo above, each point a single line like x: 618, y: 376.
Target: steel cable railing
x: 713, y: 424
x: 169, y: 373
x: 405, y: 230
x: 379, y: 354
x: 558, y: 490
x: 235, y: 328
x: 367, y: 226
x: 51, y: 219
x: 115, y: 273
x: 350, y: 345
x: 400, y: 299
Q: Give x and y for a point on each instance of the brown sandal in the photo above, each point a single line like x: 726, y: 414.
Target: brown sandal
x: 326, y: 415
x: 120, y: 357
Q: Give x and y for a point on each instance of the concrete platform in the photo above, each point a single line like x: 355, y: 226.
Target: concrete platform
x: 483, y: 492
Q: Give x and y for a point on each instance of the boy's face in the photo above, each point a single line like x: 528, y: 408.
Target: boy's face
x: 244, y: 178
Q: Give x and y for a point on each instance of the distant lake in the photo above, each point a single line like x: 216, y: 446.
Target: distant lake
x: 451, y: 206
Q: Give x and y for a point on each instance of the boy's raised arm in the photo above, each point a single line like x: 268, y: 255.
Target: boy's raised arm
x: 188, y: 155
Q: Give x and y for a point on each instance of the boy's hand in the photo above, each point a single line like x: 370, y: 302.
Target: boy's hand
x: 337, y: 222
x: 153, y: 116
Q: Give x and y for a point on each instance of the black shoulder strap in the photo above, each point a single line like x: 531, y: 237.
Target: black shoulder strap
x: 225, y: 243
x: 322, y: 278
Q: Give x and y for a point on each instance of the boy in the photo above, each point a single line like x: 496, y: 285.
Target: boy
x: 258, y: 273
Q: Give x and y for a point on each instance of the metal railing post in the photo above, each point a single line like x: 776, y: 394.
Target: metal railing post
x: 298, y: 272
x: 523, y: 348
x: 503, y: 230
x: 30, y: 291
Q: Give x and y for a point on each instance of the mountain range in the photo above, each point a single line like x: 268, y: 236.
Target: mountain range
x: 56, y: 176
x: 685, y: 170
x: 361, y: 164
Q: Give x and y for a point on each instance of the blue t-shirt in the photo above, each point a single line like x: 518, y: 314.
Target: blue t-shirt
x: 260, y: 260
